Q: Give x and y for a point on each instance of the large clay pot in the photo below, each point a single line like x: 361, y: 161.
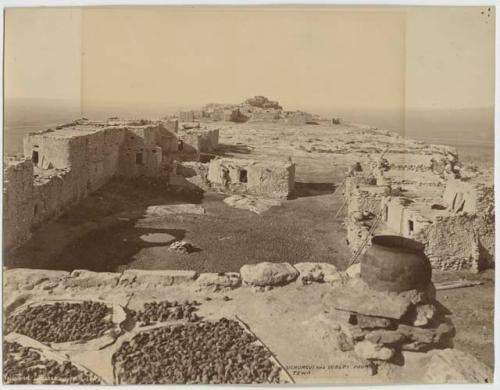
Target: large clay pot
x: 394, y: 263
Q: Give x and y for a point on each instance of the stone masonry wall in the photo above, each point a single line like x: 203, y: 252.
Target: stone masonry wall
x: 18, y: 202
x: 71, y: 164
x: 451, y: 243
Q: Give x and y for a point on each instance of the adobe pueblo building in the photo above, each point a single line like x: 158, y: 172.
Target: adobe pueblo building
x: 425, y: 200
x: 274, y: 179
x: 62, y: 166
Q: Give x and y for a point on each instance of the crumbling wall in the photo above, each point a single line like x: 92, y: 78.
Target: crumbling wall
x: 53, y: 192
x: 451, y: 243
x: 17, y: 202
x: 202, y: 141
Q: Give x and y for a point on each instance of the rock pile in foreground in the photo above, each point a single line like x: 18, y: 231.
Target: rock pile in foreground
x: 378, y: 325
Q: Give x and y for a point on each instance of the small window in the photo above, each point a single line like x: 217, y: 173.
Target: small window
x: 138, y: 159
x: 411, y: 226
x: 34, y: 157
x: 243, y: 176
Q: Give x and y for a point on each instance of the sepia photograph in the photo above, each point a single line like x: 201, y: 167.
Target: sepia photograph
x: 241, y: 194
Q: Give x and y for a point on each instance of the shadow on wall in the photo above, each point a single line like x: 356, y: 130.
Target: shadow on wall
x: 304, y: 190
x: 101, y: 233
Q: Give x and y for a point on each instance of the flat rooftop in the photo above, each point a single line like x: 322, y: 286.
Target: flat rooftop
x: 81, y: 128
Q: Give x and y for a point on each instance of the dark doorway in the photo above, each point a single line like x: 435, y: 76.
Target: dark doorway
x: 180, y: 145
x: 243, y: 176
x: 411, y: 227
x: 34, y: 157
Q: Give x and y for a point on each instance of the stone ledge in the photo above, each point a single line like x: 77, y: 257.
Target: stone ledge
x: 27, y: 278
x: 155, y: 278
x: 88, y: 279
x: 219, y: 281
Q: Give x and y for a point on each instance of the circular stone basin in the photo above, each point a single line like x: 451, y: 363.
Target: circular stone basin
x: 395, y: 263
x: 157, y: 238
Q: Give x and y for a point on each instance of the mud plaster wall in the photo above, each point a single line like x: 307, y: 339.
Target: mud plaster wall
x: 205, y: 141
x: 18, y: 202
x: 139, y: 154
x: 52, y: 152
x: 273, y: 180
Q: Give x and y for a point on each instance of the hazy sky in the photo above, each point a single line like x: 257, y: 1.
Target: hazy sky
x: 144, y: 59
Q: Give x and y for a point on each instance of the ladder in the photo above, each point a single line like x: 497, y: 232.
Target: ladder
x: 370, y: 232
x: 345, y: 199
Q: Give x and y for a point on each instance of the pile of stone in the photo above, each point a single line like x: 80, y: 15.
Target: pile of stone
x: 181, y: 247
x: 391, y: 307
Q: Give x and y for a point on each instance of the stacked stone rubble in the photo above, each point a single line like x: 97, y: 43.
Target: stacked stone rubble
x: 379, y: 325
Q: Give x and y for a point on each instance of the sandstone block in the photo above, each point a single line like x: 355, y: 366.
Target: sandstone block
x: 344, y: 342
x: 423, y: 339
x: 367, y: 302
x: 370, y: 322
x: 219, y: 281
x: 388, y: 338
x: 26, y: 278
x: 155, y: 278
x: 268, y: 274
x: 370, y: 351
x: 424, y: 314
x: 453, y: 366
x: 317, y: 272
x: 89, y: 279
